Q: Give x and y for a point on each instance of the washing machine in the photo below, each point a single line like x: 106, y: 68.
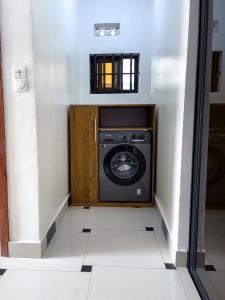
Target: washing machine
x: 125, y: 166
x: 215, y: 193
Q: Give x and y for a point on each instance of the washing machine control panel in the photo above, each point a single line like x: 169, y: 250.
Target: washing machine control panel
x: 119, y: 137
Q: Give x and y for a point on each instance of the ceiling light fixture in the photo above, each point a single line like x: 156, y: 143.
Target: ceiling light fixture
x: 107, y: 29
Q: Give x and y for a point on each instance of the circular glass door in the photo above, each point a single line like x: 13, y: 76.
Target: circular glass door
x: 124, y: 165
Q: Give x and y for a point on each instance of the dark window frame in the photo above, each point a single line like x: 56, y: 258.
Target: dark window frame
x: 97, y: 74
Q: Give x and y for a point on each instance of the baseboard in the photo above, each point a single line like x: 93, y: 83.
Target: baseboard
x: 25, y: 249
x: 179, y: 257
x: 201, y: 257
x: 37, y: 249
x: 46, y: 239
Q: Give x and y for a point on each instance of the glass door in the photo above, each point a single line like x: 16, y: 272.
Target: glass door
x: 207, y: 230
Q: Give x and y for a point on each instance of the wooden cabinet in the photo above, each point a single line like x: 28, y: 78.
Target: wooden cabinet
x: 86, y: 122
x: 84, y: 154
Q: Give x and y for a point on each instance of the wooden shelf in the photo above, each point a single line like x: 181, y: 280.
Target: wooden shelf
x: 126, y: 128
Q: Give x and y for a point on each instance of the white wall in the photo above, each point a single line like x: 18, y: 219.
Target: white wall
x: 135, y: 22
x: 20, y: 114
x: 54, y: 34
x: 168, y: 88
x: 41, y: 35
x: 219, y: 45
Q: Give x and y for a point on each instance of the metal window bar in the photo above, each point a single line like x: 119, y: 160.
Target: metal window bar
x: 131, y: 58
x: 95, y: 77
x: 113, y: 70
x: 104, y: 84
x: 121, y: 72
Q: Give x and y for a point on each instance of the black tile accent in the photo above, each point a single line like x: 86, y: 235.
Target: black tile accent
x: 86, y: 269
x: 149, y: 228
x: 2, y: 272
x: 164, y: 229
x: 170, y: 267
x: 137, y: 207
x: 51, y: 233
x: 86, y: 207
x: 70, y: 201
x: 209, y: 268
x: 86, y: 230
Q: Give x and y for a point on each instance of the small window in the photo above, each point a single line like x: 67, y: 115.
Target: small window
x: 216, y: 74
x: 114, y: 73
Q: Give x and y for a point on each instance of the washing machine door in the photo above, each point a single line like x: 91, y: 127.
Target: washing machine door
x: 124, y: 165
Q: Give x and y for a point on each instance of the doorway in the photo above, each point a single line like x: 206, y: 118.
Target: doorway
x: 207, y: 238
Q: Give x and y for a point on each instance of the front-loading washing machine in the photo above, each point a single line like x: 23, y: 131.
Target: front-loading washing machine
x: 125, y: 166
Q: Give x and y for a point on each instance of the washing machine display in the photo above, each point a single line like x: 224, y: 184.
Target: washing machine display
x: 125, y: 165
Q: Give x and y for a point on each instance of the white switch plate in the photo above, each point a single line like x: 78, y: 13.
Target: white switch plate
x: 20, y: 72
x: 21, y: 85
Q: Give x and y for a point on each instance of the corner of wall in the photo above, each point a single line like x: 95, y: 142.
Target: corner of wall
x: 20, y: 123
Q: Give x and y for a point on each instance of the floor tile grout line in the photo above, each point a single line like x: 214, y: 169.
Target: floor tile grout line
x: 142, y: 218
x: 183, y: 285
x: 209, y: 259
x: 86, y: 219
x: 164, y: 242
x: 86, y: 247
x: 89, y: 285
x: 120, y: 230
x: 93, y: 266
x: 108, y: 230
x: 131, y: 267
x: 160, y: 250
x: 43, y: 270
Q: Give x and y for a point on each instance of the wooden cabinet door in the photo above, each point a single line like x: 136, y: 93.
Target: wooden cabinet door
x: 84, y: 154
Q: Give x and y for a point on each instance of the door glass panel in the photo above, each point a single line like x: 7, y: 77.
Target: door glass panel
x: 124, y: 165
x: 210, y: 252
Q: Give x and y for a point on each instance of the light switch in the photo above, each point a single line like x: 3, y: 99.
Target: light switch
x: 20, y: 72
x: 21, y: 85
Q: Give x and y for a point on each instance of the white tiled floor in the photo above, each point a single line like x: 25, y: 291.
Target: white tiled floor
x: 150, y: 217
x: 218, y: 281
x: 66, y: 251
x: 74, y: 219
x: 41, y: 285
x: 123, y: 249
x: 215, y: 249
x: 128, y: 262
x: 115, y: 219
x: 135, y: 284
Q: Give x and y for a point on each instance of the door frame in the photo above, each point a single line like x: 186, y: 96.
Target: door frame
x: 200, y: 127
x: 4, y: 220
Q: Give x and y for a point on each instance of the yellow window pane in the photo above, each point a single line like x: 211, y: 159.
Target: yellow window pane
x: 108, y: 68
x: 108, y: 76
